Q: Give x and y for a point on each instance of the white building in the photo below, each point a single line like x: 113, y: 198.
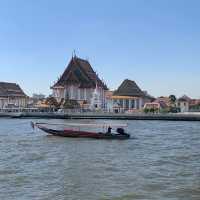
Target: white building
x: 129, y: 97
x: 183, y: 103
x: 12, y: 96
x: 79, y: 82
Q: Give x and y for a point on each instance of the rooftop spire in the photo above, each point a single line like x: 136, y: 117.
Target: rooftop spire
x: 74, y: 53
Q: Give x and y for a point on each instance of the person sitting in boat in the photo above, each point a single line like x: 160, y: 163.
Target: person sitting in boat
x: 109, y: 130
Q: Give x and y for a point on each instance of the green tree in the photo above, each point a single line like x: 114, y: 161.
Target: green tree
x: 146, y: 110
x: 151, y: 110
x: 71, y: 104
x: 52, y: 102
x: 172, y: 99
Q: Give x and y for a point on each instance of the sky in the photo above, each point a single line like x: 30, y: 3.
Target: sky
x: 153, y: 42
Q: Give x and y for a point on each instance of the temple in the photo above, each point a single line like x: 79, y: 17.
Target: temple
x: 11, y: 95
x: 129, y: 97
x: 80, y: 82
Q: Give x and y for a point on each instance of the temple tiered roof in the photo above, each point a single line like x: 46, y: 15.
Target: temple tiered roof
x: 129, y: 88
x: 79, y: 72
x: 11, y: 90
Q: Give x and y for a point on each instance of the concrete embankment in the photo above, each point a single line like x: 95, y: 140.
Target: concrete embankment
x: 167, y: 117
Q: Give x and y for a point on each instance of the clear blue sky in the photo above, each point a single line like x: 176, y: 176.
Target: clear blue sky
x: 154, y: 42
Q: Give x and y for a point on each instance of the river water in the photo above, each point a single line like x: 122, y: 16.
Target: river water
x: 162, y: 162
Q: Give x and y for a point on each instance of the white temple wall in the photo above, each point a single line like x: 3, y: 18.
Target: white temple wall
x: 76, y: 93
x: 17, y: 101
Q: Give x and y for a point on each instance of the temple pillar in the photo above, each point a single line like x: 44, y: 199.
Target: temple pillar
x: 123, y: 105
x: 85, y: 97
x: 72, y: 92
x: 134, y: 104
x: 129, y: 104
x: 140, y: 103
x: 79, y: 94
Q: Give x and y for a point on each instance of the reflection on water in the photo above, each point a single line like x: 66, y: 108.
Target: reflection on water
x: 162, y: 163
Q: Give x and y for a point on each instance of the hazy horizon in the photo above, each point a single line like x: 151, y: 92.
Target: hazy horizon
x: 155, y: 43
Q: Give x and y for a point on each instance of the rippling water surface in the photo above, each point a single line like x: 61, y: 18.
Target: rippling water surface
x: 163, y: 162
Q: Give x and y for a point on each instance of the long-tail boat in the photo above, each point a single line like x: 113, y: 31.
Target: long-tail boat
x: 74, y: 130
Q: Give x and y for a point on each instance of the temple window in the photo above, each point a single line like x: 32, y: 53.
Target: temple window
x: 121, y: 102
x: 133, y: 103
x: 127, y: 103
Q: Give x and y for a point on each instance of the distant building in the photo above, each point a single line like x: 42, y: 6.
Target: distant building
x: 194, y: 105
x: 35, y: 99
x: 38, y: 96
x: 183, y: 103
x: 12, y: 96
x: 156, y: 106
x: 165, y: 100
x: 147, y: 98
x: 129, y: 97
x: 194, y: 102
x: 80, y: 82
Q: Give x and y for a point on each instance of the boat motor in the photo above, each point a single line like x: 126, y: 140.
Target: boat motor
x: 120, y: 131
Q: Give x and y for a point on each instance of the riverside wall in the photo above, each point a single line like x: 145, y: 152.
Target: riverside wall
x: 110, y: 116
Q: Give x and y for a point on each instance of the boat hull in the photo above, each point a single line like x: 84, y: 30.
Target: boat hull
x: 83, y: 134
